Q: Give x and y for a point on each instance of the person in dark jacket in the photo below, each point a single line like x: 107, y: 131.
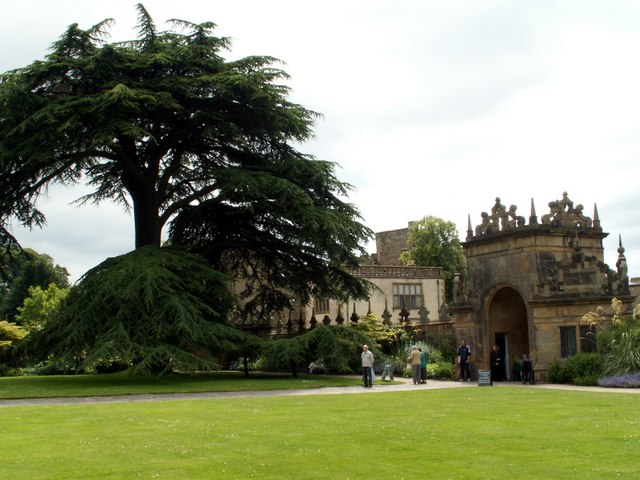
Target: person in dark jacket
x: 495, y: 361
x: 463, y: 356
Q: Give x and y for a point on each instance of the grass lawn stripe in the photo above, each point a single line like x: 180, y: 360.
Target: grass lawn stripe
x: 451, y: 434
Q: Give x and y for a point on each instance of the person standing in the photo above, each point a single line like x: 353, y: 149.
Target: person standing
x: 367, y: 365
x: 496, y: 364
x: 463, y: 354
x: 416, y: 364
x: 423, y: 366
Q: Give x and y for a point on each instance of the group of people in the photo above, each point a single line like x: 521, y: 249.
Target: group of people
x: 418, y: 360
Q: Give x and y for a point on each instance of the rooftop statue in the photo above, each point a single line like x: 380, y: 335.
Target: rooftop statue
x: 561, y: 213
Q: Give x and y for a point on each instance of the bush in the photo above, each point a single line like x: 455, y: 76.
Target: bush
x: 618, y: 338
x: 50, y: 367
x: 441, y: 371
x: 581, y: 369
x: 558, y: 372
x: 7, y: 370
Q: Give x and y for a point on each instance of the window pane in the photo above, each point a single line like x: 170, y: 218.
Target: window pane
x: 588, y: 340
x: 568, y: 342
x: 322, y: 305
x: 407, y: 295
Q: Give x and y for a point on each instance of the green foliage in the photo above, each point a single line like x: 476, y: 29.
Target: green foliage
x: 580, y: 369
x: 192, y: 143
x: 558, y: 372
x: 26, y: 269
x: 618, y: 338
x: 336, y: 346
x: 434, y: 242
x: 441, y: 370
x: 9, y: 333
x: 438, y: 366
x: 155, y: 309
x: 389, y: 338
x: 40, y: 306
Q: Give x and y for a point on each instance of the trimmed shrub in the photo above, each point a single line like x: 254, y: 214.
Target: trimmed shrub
x: 581, y: 369
x: 441, y: 371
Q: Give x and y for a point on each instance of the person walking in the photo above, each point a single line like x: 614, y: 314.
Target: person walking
x: 423, y: 366
x: 416, y: 364
x: 367, y: 365
x: 463, y: 354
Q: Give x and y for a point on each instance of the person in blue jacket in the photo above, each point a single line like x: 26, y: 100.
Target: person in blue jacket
x: 463, y: 355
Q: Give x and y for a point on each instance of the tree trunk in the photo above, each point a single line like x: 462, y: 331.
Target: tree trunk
x: 146, y: 219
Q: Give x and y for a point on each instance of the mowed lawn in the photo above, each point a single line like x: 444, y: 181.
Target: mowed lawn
x: 463, y: 433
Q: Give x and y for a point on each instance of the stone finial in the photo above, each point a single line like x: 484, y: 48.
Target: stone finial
x: 469, y: 229
x: 386, y: 316
x: 596, y: 217
x: 444, y: 313
x: 533, y: 218
x: 621, y: 266
x: 354, y: 316
x: 424, y: 314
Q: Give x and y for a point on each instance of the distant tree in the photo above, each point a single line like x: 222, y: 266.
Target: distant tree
x: 187, y: 140
x: 40, y: 306
x: 434, y: 242
x: 26, y: 269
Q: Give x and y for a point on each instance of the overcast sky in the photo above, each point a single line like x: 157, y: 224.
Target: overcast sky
x: 429, y: 107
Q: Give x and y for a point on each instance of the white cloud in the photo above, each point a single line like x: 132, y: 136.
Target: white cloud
x: 430, y: 107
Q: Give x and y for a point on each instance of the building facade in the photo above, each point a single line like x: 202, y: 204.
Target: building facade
x: 529, y: 284
x: 404, y: 294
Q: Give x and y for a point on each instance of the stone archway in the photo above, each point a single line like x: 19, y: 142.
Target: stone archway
x: 508, y: 326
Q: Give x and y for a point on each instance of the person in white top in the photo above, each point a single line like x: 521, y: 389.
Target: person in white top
x: 367, y: 365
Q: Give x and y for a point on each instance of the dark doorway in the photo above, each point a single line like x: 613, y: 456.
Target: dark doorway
x: 508, y: 327
x: 503, y: 345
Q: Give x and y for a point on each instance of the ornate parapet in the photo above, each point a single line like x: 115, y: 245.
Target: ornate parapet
x: 562, y: 213
x: 392, y: 271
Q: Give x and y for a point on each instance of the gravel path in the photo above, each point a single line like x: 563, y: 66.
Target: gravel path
x: 405, y: 386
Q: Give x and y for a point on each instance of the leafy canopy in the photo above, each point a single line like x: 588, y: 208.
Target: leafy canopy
x: 26, y: 268
x: 40, y: 306
x: 434, y: 242
x: 192, y: 144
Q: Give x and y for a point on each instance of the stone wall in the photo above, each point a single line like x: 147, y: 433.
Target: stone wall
x: 390, y: 244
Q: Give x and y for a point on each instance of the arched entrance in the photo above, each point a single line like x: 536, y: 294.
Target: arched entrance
x: 508, y: 327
